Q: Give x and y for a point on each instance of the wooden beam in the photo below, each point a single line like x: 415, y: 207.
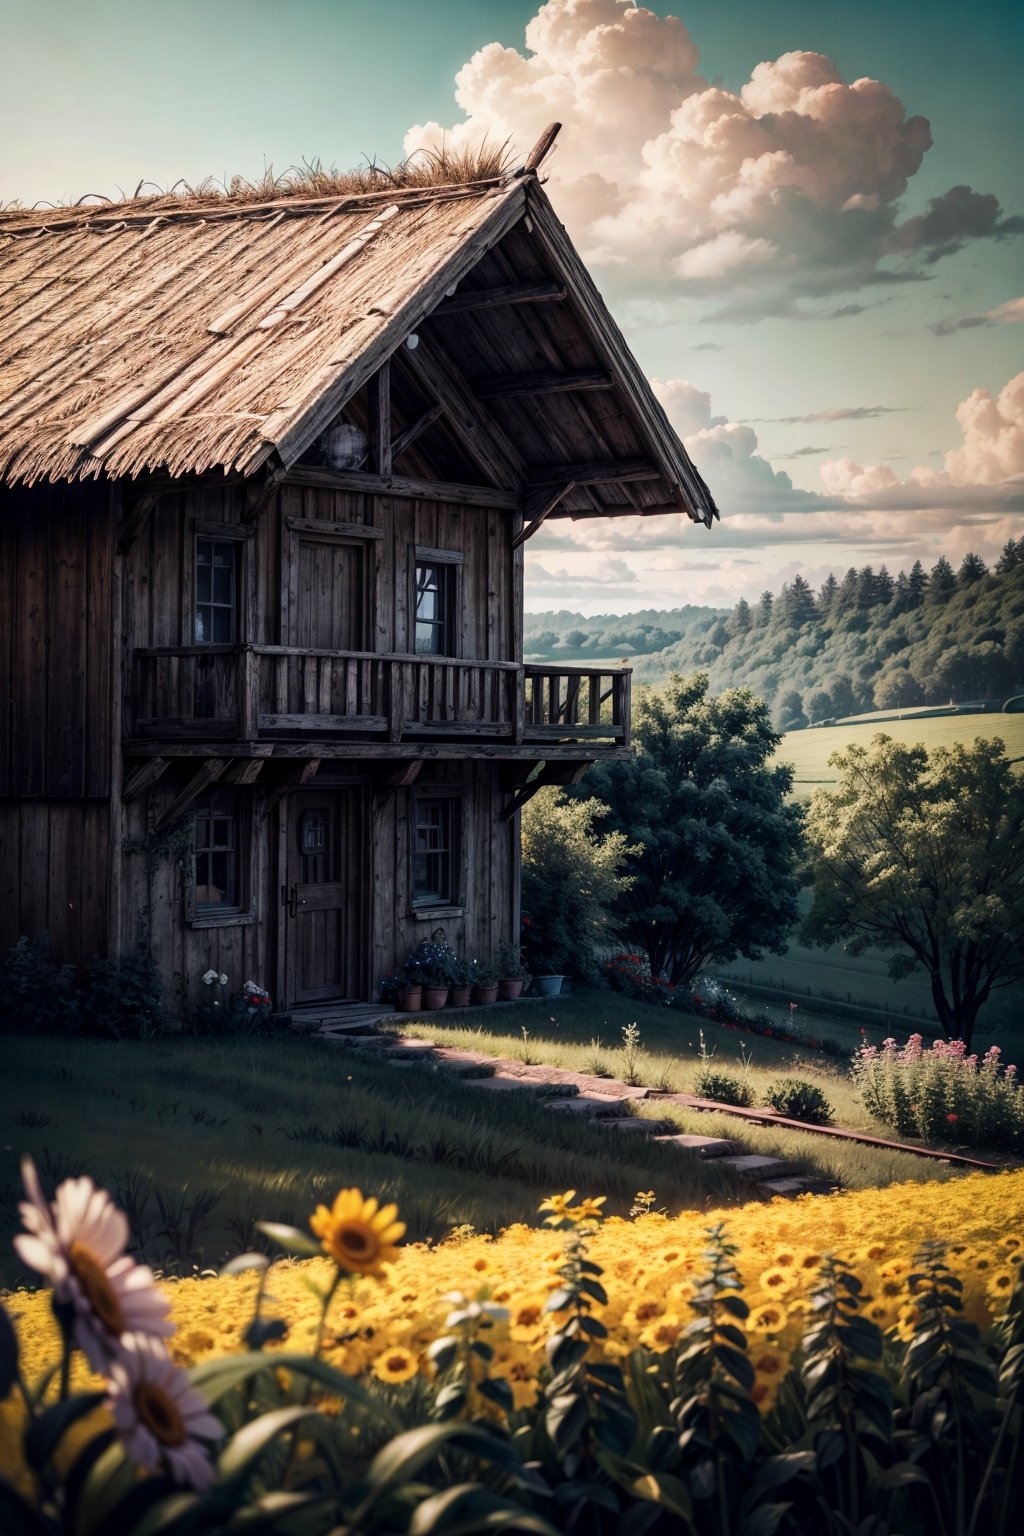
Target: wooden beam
x: 430, y: 751
x: 542, y: 383
x: 408, y: 436
x: 547, y: 506
x: 594, y: 472
x: 208, y: 774
x: 542, y: 148
x: 505, y: 294
x: 551, y: 773
x: 134, y: 520
x: 477, y: 431
x: 400, y: 775
x: 244, y: 770
x: 379, y: 393
x: 615, y: 509
x: 260, y: 495
x: 143, y: 777
x: 403, y: 485
x: 295, y: 780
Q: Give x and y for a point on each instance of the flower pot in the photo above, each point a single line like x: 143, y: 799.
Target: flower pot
x: 510, y: 988
x: 458, y: 997
x: 548, y: 986
x: 410, y: 998
x: 484, y: 994
x: 435, y: 997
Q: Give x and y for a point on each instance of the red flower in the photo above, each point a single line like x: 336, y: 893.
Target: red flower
x: 952, y: 1119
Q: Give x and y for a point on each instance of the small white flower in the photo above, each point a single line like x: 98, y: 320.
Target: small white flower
x: 160, y: 1418
x: 222, y: 979
x: 78, y: 1244
x: 211, y: 977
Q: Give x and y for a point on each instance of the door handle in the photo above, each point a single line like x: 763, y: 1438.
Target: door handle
x: 291, y: 900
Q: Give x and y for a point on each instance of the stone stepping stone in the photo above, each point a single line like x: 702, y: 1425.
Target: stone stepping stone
x: 499, y: 1083
x: 704, y: 1146
x: 753, y: 1166
x: 596, y: 1105
x: 784, y: 1186
x: 639, y: 1125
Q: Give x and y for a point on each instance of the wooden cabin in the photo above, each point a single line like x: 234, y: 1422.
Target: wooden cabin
x: 266, y: 474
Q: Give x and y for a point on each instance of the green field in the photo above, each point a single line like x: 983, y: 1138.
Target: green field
x: 810, y: 750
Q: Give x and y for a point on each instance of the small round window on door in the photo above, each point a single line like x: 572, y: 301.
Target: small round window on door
x: 315, y: 846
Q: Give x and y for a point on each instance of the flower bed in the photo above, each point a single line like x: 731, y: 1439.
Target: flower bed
x: 943, y: 1094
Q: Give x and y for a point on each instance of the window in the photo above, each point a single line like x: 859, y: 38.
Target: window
x: 436, y: 588
x: 216, y: 591
x: 218, y: 885
x: 435, y: 829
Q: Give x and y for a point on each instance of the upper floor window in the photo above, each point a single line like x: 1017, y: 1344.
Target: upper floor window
x: 216, y: 591
x: 436, y: 607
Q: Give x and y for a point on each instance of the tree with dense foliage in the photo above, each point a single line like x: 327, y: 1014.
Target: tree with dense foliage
x: 572, y: 877
x: 972, y: 569
x: 941, y: 581
x: 789, y: 711
x: 923, y: 857
x: 716, y: 877
x: 819, y: 706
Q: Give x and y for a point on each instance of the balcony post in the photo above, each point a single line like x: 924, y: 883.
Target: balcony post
x: 248, y: 694
x: 518, y: 705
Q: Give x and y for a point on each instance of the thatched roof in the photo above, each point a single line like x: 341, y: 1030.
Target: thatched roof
x: 204, y: 332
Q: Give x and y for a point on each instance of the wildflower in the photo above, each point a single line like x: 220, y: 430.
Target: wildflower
x: 952, y: 1119
x: 210, y: 977
x: 557, y: 1207
x: 360, y: 1235
x: 395, y: 1365
x: 768, y: 1319
x: 78, y: 1243
x: 159, y: 1417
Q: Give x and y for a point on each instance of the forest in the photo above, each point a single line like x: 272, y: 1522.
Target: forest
x: 867, y: 641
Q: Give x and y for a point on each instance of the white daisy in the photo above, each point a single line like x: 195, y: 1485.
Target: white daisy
x: 161, y: 1419
x: 78, y: 1243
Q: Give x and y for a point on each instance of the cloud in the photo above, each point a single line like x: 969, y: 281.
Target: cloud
x: 803, y: 453
x: 1010, y: 313
x: 988, y: 469
x: 771, y: 198
x: 836, y: 413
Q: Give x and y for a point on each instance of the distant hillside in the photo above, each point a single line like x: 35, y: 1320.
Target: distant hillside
x: 868, y: 642
x: 606, y: 635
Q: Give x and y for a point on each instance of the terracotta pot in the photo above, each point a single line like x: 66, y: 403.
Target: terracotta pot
x: 458, y: 997
x: 510, y: 988
x: 435, y: 997
x: 484, y: 994
x: 410, y: 998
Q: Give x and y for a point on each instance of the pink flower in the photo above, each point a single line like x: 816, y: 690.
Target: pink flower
x: 161, y: 1419
x: 1011, y: 1070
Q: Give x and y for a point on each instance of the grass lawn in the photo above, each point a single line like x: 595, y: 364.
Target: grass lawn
x: 810, y: 750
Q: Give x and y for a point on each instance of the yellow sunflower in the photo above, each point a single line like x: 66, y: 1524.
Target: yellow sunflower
x: 395, y: 1365
x: 360, y: 1235
x: 768, y: 1319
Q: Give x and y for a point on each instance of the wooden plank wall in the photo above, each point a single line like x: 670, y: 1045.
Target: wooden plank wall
x: 54, y: 875
x: 56, y: 631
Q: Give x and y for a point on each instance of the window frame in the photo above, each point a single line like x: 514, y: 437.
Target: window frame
x: 243, y: 540
x: 202, y: 914
x: 450, y: 904
x: 449, y: 563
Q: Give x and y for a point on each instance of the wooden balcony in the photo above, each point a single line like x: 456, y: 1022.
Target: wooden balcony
x: 250, y: 693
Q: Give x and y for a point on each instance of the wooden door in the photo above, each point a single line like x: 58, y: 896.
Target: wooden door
x: 327, y: 895
x: 327, y: 596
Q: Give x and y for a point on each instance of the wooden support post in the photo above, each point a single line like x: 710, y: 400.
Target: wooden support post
x: 248, y: 693
x: 260, y: 496
x: 208, y: 774
x: 547, y: 505
x: 480, y: 434
x: 295, y: 780
x: 542, y: 148
x: 542, y: 383
x: 398, y: 775
x: 134, y: 520
x: 408, y: 436
x: 244, y: 770
x: 144, y: 776
x: 380, y: 419
x: 595, y: 472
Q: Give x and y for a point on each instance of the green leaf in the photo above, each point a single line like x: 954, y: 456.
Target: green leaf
x: 8, y: 1354
x: 566, y: 1419
x: 266, y: 1513
x: 292, y: 1239
x: 664, y: 1489
x: 402, y: 1458
x: 45, y: 1432
x: 17, y: 1517
x: 902, y: 1475
x: 162, y: 1516
x: 245, y: 1448
x: 764, y: 1521
x: 244, y: 1261
x: 466, y: 1509
x: 215, y: 1378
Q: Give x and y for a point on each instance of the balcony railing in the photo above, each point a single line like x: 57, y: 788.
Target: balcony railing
x: 261, y: 692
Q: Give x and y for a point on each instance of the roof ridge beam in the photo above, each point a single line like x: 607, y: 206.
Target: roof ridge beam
x: 594, y: 472
x: 543, y: 383
x: 503, y: 294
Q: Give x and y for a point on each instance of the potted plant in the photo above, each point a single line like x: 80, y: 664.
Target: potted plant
x: 485, y: 983
x: 460, y: 979
x: 511, y: 970
x: 435, y: 959
x: 409, y: 989
x: 547, y: 982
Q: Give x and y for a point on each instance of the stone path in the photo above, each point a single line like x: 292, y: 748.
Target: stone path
x: 611, y: 1104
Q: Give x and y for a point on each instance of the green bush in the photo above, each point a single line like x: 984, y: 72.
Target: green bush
x: 722, y: 1087
x: 799, y: 1100
x: 36, y: 995
x: 125, y: 997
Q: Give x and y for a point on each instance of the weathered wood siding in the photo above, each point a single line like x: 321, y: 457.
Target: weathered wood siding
x: 56, y: 641
x: 55, y: 869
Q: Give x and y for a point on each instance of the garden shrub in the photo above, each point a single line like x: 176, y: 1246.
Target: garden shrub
x: 944, y: 1093
x: 36, y: 995
x: 799, y: 1100
x: 125, y: 997
x: 242, y: 1012
x: 709, y: 1083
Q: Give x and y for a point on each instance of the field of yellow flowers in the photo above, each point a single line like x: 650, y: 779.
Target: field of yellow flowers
x: 383, y: 1327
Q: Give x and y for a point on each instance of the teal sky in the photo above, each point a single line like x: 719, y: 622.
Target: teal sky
x: 102, y: 94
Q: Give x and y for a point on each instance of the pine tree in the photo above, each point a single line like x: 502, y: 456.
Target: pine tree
x: 741, y: 619
x: 884, y: 586
x: 1011, y: 557
x: 918, y: 582
x: 867, y: 588
x: 902, y: 598
x: 764, y: 610
x: 941, y: 581
x: 827, y: 595
x: 972, y: 569
x: 846, y: 597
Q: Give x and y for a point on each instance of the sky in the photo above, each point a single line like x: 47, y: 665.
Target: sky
x: 807, y: 217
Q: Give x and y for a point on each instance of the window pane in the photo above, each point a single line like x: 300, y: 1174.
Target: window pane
x: 216, y: 859
x: 216, y: 600
x: 433, y: 859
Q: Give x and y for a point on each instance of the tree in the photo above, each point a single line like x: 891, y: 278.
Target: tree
x: 827, y: 595
x: 844, y: 699
x: 789, y: 711
x: 923, y: 856
x: 897, y: 688
x: 795, y: 606
x: 918, y: 583
x: 572, y: 877
x: 764, y: 610
x: 884, y: 585
x: 941, y: 581
x: 972, y: 569
x: 819, y: 705
x: 717, y: 874
x: 1012, y: 555
x: 741, y: 619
